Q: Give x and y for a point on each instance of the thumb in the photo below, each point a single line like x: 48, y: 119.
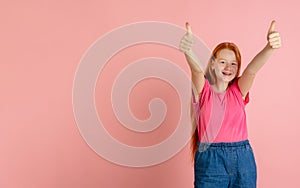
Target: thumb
x: 188, y: 28
x: 272, y: 27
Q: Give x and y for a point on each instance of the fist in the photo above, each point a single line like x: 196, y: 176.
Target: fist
x: 274, y: 40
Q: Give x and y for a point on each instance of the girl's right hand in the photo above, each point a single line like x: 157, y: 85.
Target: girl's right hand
x: 186, y: 43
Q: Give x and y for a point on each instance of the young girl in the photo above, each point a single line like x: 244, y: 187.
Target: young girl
x: 222, y: 154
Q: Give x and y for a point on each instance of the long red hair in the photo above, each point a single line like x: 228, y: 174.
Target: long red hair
x: 211, y: 77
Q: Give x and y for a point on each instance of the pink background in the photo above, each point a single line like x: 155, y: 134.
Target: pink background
x: 42, y: 42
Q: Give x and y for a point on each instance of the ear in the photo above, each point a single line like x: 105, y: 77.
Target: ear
x: 212, y: 64
x: 212, y: 60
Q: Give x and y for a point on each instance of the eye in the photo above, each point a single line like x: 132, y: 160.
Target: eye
x: 222, y: 62
x: 234, y: 64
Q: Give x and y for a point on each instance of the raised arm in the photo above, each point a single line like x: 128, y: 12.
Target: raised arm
x: 274, y: 42
x: 195, y: 65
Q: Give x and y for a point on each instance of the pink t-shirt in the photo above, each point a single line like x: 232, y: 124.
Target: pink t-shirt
x: 221, y: 117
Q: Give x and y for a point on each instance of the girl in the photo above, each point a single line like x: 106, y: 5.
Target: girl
x: 222, y: 154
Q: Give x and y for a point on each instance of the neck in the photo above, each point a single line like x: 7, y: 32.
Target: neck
x: 220, y: 86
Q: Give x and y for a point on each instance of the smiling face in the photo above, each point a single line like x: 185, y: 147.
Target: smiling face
x: 223, y: 59
x: 225, y: 65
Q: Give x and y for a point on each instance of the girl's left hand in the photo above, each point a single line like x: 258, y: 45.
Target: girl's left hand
x: 274, y: 40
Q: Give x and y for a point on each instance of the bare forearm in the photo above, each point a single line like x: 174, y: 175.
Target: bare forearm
x: 197, y: 76
x: 194, y: 64
x: 259, y: 60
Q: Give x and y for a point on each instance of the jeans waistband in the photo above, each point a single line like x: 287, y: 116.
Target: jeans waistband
x: 223, y: 145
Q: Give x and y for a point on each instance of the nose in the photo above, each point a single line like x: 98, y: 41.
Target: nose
x: 227, y: 66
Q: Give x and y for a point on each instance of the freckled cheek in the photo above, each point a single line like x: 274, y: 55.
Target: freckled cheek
x: 234, y: 69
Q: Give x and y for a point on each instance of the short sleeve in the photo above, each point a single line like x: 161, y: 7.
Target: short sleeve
x: 196, y: 97
x: 199, y: 98
x: 247, y: 99
x: 238, y: 92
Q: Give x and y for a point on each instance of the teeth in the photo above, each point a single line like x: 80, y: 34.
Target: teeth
x: 227, y: 73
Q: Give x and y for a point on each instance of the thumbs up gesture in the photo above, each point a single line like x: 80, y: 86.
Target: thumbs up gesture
x: 187, y: 40
x: 186, y: 44
x: 274, y: 40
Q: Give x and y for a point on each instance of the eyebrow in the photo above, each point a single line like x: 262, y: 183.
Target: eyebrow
x: 228, y: 61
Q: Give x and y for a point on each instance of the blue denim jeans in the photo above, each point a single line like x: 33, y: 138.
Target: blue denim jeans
x: 224, y: 165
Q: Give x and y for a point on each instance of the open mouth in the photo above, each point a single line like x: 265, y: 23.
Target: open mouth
x: 227, y: 73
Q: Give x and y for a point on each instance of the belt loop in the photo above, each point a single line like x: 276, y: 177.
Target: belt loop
x: 222, y: 147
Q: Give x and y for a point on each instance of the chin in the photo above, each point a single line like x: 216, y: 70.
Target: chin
x: 228, y: 79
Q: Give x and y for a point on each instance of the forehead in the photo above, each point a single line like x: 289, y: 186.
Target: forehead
x: 226, y: 54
